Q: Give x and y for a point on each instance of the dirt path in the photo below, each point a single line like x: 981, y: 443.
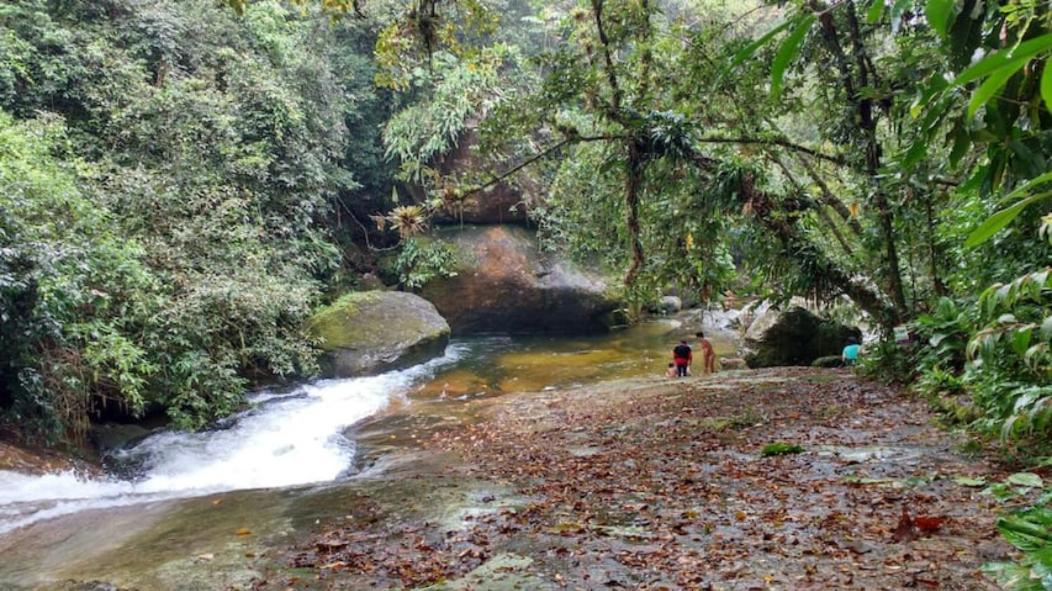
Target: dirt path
x: 645, y: 485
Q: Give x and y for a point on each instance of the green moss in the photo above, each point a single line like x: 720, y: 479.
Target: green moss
x: 339, y: 326
x: 780, y: 448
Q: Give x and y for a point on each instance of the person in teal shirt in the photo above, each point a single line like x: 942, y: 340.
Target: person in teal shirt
x: 851, y: 351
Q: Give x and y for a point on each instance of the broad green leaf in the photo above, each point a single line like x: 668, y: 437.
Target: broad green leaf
x: 999, y: 220
x: 875, y: 11
x: 787, y: 51
x: 1046, y: 85
x: 1035, y: 161
x: 1020, y: 341
x: 1025, y: 479
x: 999, y: 59
x: 939, y: 13
x: 994, y: 83
x: 1046, y: 328
x: 1025, y: 187
x: 747, y: 51
x: 916, y: 153
x: 961, y: 142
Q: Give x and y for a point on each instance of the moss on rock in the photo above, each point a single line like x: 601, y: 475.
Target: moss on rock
x: 363, y: 332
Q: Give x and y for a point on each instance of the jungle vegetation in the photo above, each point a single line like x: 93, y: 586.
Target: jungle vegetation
x: 182, y: 182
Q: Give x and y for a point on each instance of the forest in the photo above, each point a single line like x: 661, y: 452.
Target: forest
x: 183, y: 183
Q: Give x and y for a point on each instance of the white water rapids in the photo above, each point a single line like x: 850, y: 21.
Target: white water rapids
x: 282, y: 440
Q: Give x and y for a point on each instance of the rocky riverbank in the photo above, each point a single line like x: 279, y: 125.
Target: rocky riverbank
x: 39, y: 461
x: 643, y: 484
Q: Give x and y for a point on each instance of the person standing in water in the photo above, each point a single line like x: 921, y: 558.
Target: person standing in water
x: 682, y: 356
x: 708, y: 354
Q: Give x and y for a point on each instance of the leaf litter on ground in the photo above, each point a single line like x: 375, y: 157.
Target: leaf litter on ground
x: 661, y: 501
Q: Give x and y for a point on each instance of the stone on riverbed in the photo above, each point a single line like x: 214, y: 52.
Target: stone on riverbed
x: 794, y: 337
x: 667, y: 305
x: 365, y: 332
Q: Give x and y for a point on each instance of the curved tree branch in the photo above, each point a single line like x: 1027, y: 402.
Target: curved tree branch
x: 549, y: 151
x: 784, y: 143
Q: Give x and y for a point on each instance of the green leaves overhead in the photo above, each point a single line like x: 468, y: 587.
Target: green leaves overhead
x: 1002, y: 58
x: 939, y: 13
x: 788, y: 51
x: 1002, y: 218
x: 999, y: 220
x: 875, y: 11
x: 994, y: 83
x: 750, y: 49
x: 999, y: 66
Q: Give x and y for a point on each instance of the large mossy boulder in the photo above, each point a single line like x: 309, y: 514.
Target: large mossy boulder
x: 795, y: 336
x: 368, y: 331
x: 505, y: 284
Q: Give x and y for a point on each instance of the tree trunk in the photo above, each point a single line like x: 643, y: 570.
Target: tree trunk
x: 867, y: 124
x: 633, y: 185
x: 806, y: 256
x: 933, y: 249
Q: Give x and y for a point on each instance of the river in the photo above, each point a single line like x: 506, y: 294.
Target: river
x: 285, y: 453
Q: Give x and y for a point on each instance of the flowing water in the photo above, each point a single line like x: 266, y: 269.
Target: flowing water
x: 283, y: 440
x: 286, y: 451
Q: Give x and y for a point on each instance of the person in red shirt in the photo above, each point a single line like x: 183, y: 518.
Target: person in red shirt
x: 682, y: 356
x: 708, y: 354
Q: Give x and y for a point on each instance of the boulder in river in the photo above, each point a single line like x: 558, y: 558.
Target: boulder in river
x: 795, y: 336
x: 669, y: 304
x: 367, y: 331
x: 505, y: 284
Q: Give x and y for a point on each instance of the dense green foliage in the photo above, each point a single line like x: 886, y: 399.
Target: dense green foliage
x: 175, y: 179
x: 168, y: 171
x: 890, y: 156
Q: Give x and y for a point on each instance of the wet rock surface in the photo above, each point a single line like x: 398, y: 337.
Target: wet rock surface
x: 40, y: 461
x: 641, y: 485
x: 667, y: 305
x: 794, y: 336
x: 365, y: 332
x: 505, y: 284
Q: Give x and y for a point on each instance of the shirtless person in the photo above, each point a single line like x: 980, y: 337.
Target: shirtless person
x: 708, y: 355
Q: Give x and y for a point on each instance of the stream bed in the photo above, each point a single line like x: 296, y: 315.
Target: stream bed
x: 184, y: 505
